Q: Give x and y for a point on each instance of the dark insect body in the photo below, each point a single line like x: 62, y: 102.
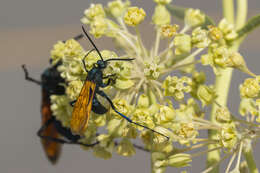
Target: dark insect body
x: 52, y: 133
x: 87, y: 99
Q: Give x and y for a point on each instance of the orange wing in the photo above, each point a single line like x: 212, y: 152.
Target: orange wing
x: 82, y: 108
x: 52, y: 149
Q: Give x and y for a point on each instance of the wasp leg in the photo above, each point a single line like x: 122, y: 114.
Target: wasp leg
x: 72, y: 103
x: 101, y: 93
x: 27, y: 77
x: 103, y: 85
x: 111, y: 75
x: 58, y: 140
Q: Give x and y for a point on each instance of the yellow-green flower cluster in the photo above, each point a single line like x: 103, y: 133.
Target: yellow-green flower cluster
x: 250, y: 88
x: 117, y: 7
x: 134, y: 16
x: 182, y: 44
x: 152, y: 70
x: 194, y: 17
x: 169, y: 31
x: 61, y: 109
x: 161, y: 16
x: 223, y: 115
x: 95, y: 17
x: 200, y: 38
x: 176, y: 87
x: 206, y: 94
x: 228, y: 136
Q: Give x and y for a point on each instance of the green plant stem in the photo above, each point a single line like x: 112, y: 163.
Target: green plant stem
x: 241, y: 15
x: 222, y: 84
x: 248, y: 154
x: 228, y: 10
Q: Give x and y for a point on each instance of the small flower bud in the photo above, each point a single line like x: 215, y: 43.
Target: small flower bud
x: 200, y: 38
x: 134, y: 16
x: 143, y: 101
x: 247, y: 107
x: 98, y: 27
x: 194, y: 17
x: 186, y: 131
x: 250, y: 88
x: 221, y: 56
x: 163, y: 2
x: 169, y: 30
x: 182, y: 43
x: 227, y: 29
x: 95, y: 10
x: 228, y: 136
x: 165, y: 116
x: 125, y: 148
x: 102, y: 152
x: 215, y: 33
x: 237, y: 61
x: 179, y: 160
x: 223, y: 115
x: 117, y: 7
x: 206, y: 95
x: 161, y: 16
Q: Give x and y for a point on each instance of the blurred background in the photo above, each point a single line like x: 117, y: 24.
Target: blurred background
x: 28, y: 30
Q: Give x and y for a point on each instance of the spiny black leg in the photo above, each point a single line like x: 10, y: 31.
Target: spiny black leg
x: 27, y: 77
x: 108, y: 76
x: 61, y: 141
x: 101, y: 93
x: 103, y: 85
x: 72, y: 103
x: 83, y: 60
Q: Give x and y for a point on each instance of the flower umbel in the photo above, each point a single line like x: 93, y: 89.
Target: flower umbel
x: 160, y: 87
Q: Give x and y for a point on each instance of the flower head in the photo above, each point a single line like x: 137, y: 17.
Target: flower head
x: 134, y: 16
x: 194, y: 17
x: 117, y: 7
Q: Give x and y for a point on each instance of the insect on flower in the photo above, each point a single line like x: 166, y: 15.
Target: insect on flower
x: 87, y: 99
x: 52, y: 133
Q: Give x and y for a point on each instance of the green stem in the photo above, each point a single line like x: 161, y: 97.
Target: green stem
x: 249, y: 157
x: 241, y: 13
x: 228, y: 10
x: 222, y: 84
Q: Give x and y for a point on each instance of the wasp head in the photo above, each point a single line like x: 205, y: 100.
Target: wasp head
x: 101, y: 64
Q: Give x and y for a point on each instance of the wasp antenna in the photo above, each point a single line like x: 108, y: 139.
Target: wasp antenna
x: 27, y: 77
x: 120, y: 59
x: 93, y: 44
